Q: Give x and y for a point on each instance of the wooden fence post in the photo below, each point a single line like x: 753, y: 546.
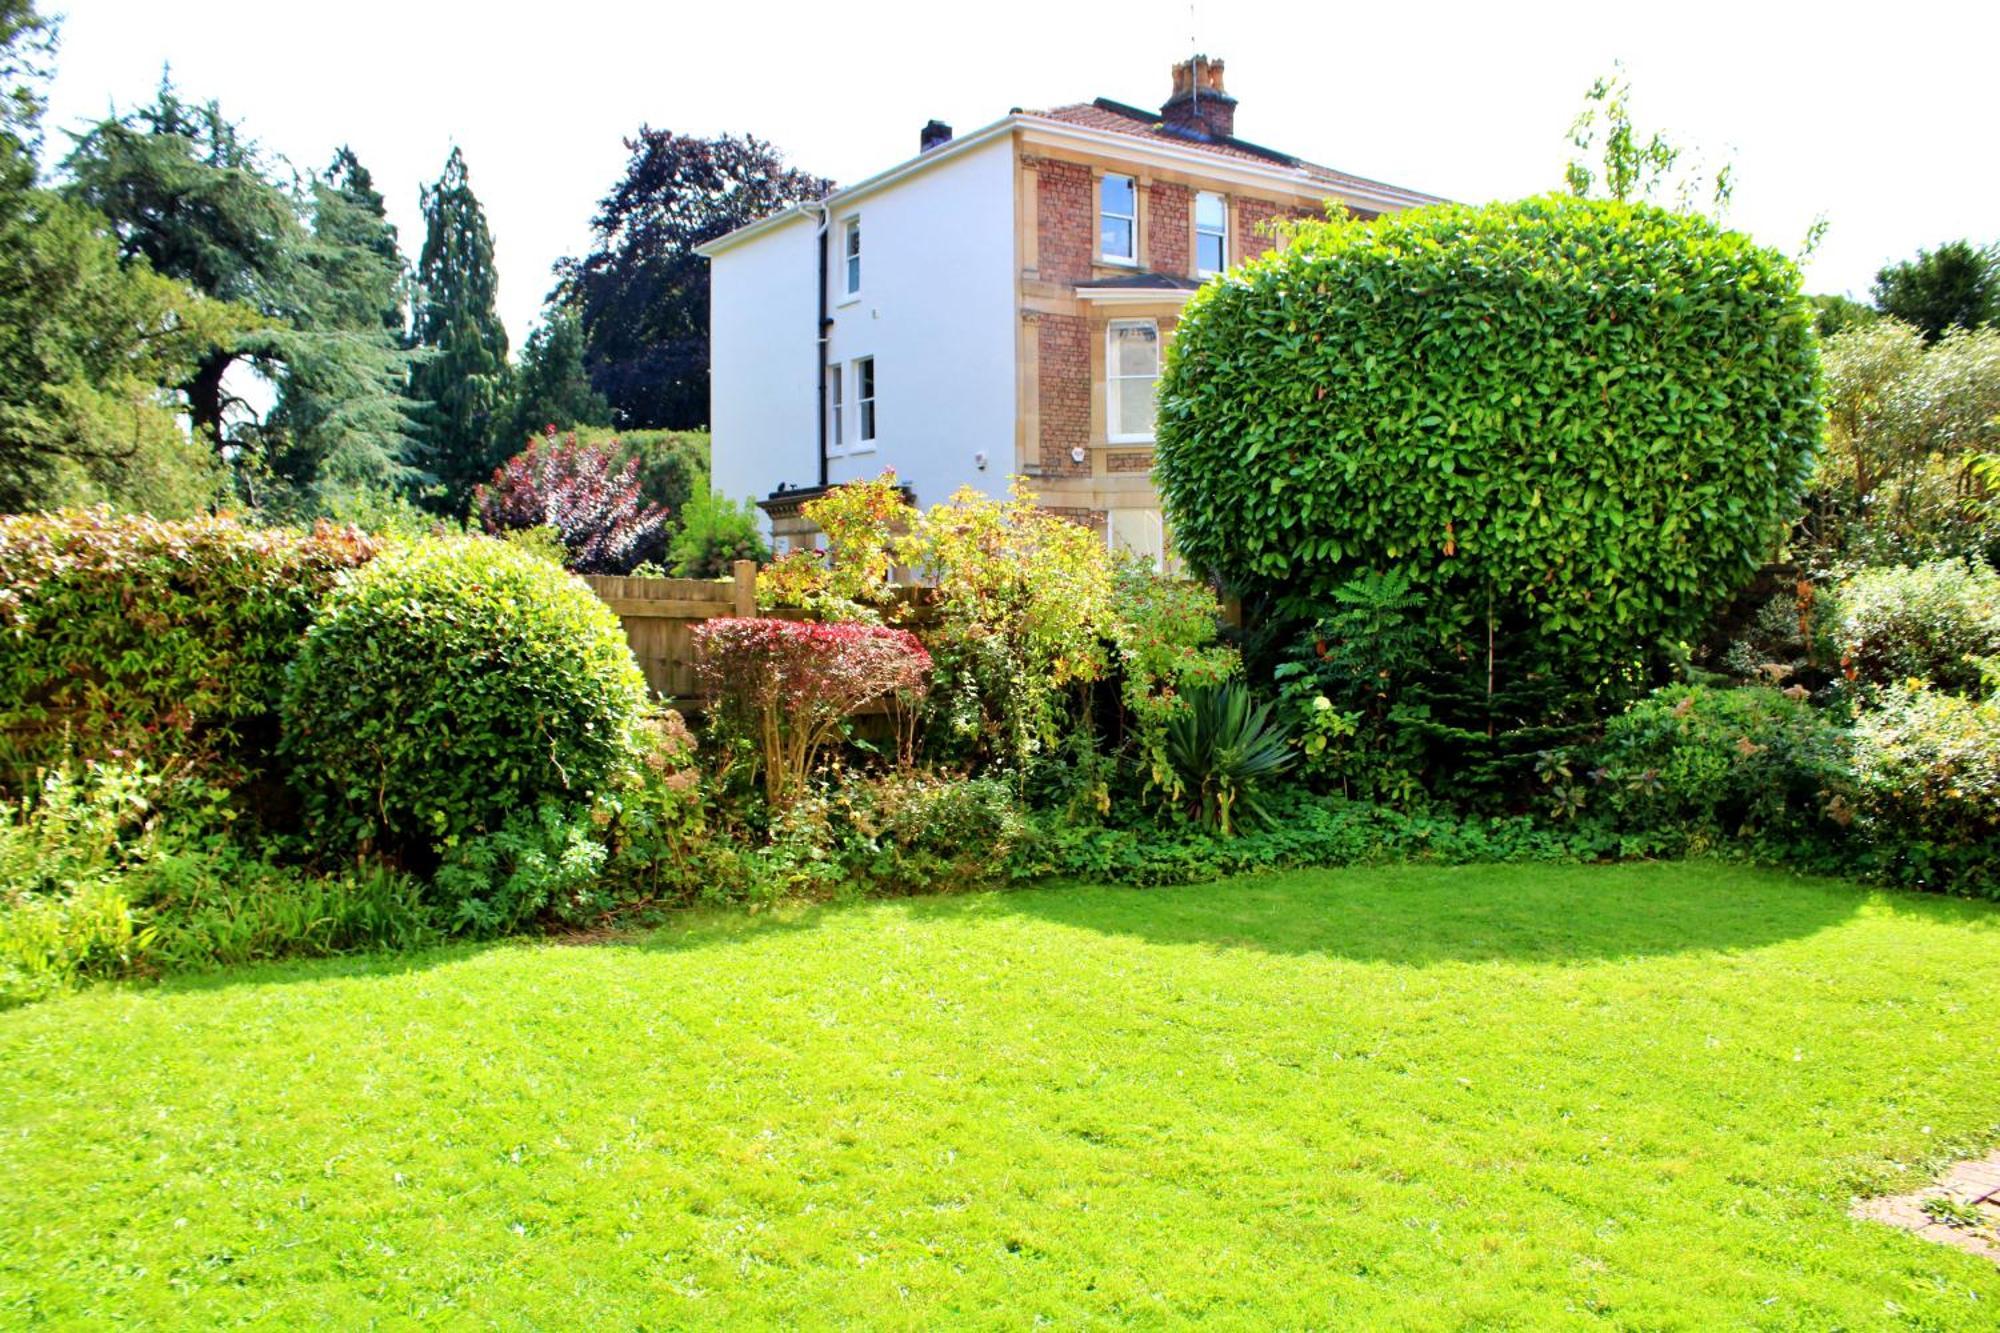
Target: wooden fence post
x: 746, y: 587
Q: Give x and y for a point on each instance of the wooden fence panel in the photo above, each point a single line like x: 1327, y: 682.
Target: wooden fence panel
x: 659, y: 616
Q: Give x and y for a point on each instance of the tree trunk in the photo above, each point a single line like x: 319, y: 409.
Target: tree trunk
x: 206, y: 398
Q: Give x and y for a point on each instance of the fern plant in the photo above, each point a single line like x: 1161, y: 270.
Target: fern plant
x: 1222, y: 746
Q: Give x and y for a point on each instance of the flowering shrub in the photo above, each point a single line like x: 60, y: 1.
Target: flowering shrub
x: 162, y: 640
x: 792, y: 685
x: 582, y: 491
x: 1020, y: 614
x: 1020, y: 607
x: 851, y: 580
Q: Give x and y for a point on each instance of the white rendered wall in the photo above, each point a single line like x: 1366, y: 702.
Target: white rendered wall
x: 937, y: 312
x: 762, y: 409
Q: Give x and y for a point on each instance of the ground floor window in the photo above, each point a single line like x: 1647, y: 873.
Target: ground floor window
x: 1132, y: 372
x: 864, y: 396
x: 1140, y: 532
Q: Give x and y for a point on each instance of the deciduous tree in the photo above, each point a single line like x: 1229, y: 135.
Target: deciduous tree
x: 1956, y: 285
x: 642, y: 292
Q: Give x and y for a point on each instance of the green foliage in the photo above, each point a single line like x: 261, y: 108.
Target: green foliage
x: 342, y: 419
x: 1956, y: 286
x: 1631, y: 167
x: 1938, y: 623
x: 213, y: 904
x: 1837, y: 314
x: 86, y: 344
x: 1691, y: 768
x: 715, y: 533
x: 1302, y: 831
x: 450, y: 684
x: 1908, y: 424
x: 1344, y: 688
x: 1928, y: 768
x: 1574, y: 426
x: 552, y: 393
x: 654, y: 819
x: 1024, y: 613
x: 461, y: 381
x: 1223, y: 749
x: 1164, y: 631
x: 98, y: 881
x: 65, y: 914
x: 544, y: 859
x: 673, y: 467
x: 905, y: 831
x: 187, y: 192
x: 1020, y: 615
x: 164, y: 640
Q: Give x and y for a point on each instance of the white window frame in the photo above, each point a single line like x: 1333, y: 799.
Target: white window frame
x: 850, y: 259
x: 1200, y: 231
x: 1113, y: 380
x: 836, y: 408
x: 1155, y: 520
x: 1131, y: 260
x: 866, y: 426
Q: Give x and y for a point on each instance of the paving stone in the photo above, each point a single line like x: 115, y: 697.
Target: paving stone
x: 1975, y: 1184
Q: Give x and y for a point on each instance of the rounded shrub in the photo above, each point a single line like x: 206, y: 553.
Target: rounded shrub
x: 1696, y: 766
x: 449, y: 684
x: 1587, y: 421
x: 1928, y: 764
x: 1938, y: 622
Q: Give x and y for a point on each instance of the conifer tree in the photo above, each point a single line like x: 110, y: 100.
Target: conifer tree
x: 460, y: 380
x: 552, y: 390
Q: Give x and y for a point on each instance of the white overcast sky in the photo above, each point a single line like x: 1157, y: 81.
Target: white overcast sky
x: 1880, y: 117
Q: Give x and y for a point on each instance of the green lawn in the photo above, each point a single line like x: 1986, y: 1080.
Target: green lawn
x: 1480, y: 1097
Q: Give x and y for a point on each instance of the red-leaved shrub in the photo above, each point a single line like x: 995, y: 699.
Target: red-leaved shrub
x: 792, y: 684
x: 584, y: 493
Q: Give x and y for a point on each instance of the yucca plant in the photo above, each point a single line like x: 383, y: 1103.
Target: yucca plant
x: 1221, y: 746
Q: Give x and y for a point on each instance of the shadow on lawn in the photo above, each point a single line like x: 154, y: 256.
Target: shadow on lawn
x: 1408, y: 915
x: 1416, y: 915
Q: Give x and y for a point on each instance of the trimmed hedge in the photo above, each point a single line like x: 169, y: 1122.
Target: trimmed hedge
x: 1587, y: 419
x: 449, y: 684
x: 166, y: 641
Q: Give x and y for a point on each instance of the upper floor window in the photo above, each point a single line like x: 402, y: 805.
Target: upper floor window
x: 1118, y: 219
x: 864, y: 397
x: 1211, y: 233
x: 850, y: 250
x: 1132, y: 366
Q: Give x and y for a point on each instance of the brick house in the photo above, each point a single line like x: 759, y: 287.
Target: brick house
x: 996, y: 305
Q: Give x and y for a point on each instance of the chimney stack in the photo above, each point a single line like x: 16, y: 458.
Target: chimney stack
x: 1199, y: 104
x: 935, y: 135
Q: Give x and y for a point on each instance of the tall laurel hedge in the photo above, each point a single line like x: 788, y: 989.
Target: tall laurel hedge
x: 1589, y: 419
